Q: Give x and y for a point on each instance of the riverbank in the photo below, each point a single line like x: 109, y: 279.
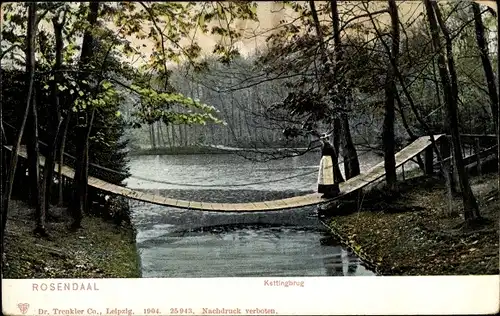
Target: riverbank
x: 410, y: 234
x: 102, y: 249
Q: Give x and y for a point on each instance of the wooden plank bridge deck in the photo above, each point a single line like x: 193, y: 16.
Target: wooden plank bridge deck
x: 351, y: 185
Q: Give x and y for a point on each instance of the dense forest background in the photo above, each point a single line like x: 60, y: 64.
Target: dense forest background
x: 245, y: 91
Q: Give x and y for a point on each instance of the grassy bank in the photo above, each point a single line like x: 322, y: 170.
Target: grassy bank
x: 412, y: 234
x: 101, y: 250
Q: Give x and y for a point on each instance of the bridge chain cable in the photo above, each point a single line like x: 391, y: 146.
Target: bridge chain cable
x: 193, y: 184
x: 232, y: 185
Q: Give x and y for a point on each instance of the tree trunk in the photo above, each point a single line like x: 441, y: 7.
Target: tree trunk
x: 3, y: 152
x: 62, y: 147
x: 438, y: 95
x: 337, y: 124
x: 3, y: 139
x: 75, y: 204
x: 485, y: 59
x: 158, y: 135
x: 32, y: 144
x: 32, y: 149
x: 471, y: 209
x: 164, y: 136
x: 337, y: 136
x: 54, y: 119
x: 155, y: 141
x: 15, y: 150
x: 234, y: 123
x: 161, y: 135
x: 498, y: 106
x: 351, y: 160
x: 78, y: 202
x: 152, y: 136
x: 449, y: 57
x: 390, y: 92
x: 85, y: 169
x: 408, y: 129
x: 169, y: 139
x: 444, y: 167
x: 181, y: 137
x: 88, y: 39
x: 240, y: 125
x: 452, y: 182
x: 48, y: 170
x: 174, y: 135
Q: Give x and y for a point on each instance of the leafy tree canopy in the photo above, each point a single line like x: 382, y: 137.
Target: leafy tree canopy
x: 171, y: 28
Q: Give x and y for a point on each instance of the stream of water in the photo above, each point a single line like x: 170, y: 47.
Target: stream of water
x: 187, y: 243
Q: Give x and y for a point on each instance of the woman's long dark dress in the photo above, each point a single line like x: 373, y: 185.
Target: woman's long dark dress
x: 326, y: 178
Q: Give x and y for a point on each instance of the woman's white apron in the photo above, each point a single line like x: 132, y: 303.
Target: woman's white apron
x: 325, y: 175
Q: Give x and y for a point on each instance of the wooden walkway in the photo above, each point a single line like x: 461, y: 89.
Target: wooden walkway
x: 349, y: 186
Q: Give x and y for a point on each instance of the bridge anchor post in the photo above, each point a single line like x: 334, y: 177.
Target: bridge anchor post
x: 429, y: 160
x: 477, y: 150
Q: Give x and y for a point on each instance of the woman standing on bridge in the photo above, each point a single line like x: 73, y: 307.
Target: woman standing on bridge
x: 326, y: 178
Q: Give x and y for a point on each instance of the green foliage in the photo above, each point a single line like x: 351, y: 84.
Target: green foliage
x: 156, y: 106
x: 155, y: 22
x: 108, y: 147
x: 151, y: 21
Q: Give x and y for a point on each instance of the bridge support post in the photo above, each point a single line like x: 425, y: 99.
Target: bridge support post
x: 429, y: 160
x: 444, y: 148
x: 359, y: 199
x: 478, y: 158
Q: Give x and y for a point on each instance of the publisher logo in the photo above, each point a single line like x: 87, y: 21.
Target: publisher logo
x: 23, y: 307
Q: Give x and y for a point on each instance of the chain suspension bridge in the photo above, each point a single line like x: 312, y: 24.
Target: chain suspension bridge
x: 356, y: 183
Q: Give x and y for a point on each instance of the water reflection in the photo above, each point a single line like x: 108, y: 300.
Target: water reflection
x: 185, y: 243
x: 340, y: 262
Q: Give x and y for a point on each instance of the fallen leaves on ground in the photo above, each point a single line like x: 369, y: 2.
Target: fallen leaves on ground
x: 426, y: 241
